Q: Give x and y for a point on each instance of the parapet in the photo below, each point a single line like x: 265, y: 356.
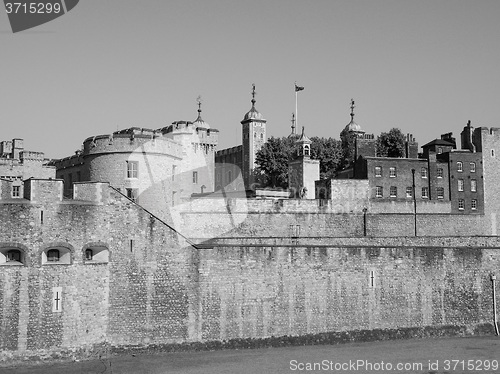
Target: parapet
x: 43, y: 190
x: 97, y: 192
x: 5, y: 189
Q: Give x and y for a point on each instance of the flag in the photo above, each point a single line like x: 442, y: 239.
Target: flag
x: 298, y: 88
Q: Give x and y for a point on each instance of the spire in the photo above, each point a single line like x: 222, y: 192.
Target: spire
x: 198, y: 100
x: 253, y: 95
x: 352, y: 110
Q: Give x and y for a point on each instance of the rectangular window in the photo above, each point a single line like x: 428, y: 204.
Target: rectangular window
x: 16, y: 191
x: 440, y: 173
x: 473, y: 204
x: 423, y: 172
x: 378, y: 171
x: 195, y: 177
x: 440, y: 193
x: 393, y: 191
x: 173, y: 172
x: 379, y: 191
x: 472, y: 167
x: 132, y: 169
x: 460, y: 166
x: 440, y: 150
x: 132, y: 194
x: 78, y: 176
x: 392, y: 172
x: 461, y: 204
x: 473, y: 185
x: 460, y: 184
x: 425, y: 192
x: 409, y: 191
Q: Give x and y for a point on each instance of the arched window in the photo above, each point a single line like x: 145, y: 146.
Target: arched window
x: 53, y: 255
x: 89, y: 254
x: 96, y: 254
x: 307, y: 151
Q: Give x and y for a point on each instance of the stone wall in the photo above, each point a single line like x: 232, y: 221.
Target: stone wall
x: 155, y: 289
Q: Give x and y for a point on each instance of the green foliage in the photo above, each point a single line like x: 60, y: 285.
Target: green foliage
x: 391, y: 144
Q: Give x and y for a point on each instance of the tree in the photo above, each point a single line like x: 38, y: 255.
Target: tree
x: 391, y: 144
x: 272, y: 162
x: 329, y: 153
x: 273, y: 158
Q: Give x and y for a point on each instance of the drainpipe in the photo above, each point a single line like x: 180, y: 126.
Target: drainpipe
x: 495, y: 321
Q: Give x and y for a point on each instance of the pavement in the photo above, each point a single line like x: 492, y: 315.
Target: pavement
x: 429, y: 356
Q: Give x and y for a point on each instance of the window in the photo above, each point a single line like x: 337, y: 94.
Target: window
x: 261, y: 136
x: 229, y: 176
x: 460, y: 184
x: 89, y: 254
x: 78, y: 176
x: 492, y: 153
x: 392, y: 172
x: 173, y: 171
x: 473, y: 204
x: 440, y: 150
x: 473, y: 185
x: 307, y: 151
x: 409, y: 191
x: 472, y: 167
x: 393, y: 192
x: 56, y: 256
x: 14, y: 255
x: 440, y: 193
x: 378, y: 171
x: 461, y: 204
x: 425, y: 192
x: 132, y: 194
x: 195, y: 177
x: 16, y: 191
x: 53, y: 255
x: 96, y: 254
x: 460, y: 166
x: 379, y: 191
x: 132, y: 169
x: 440, y: 173
x: 423, y: 172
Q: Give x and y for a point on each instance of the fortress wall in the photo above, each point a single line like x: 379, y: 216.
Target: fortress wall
x: 157, y: 290
x: 258, y: 292
x: 139, y: 296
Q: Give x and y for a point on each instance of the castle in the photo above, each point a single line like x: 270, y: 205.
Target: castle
x: 91, y: 260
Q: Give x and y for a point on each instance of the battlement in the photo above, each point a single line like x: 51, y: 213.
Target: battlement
x: 132, y: 140
x: 31, y: 156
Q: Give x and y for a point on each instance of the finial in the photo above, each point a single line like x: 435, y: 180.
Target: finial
x: 352, y: 109
x: 253, y: 94
x: 293, y: 123
x: 302, y: 131
x: 198, y: 100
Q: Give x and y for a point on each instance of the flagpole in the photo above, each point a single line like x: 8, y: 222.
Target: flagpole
x: 296, y: 116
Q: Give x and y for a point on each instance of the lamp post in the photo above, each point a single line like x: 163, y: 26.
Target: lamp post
x: 414, y: 201
x: 364, y: 221
x: 495, y: 321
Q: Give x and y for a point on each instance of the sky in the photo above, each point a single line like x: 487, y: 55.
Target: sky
x: 426, y: 67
